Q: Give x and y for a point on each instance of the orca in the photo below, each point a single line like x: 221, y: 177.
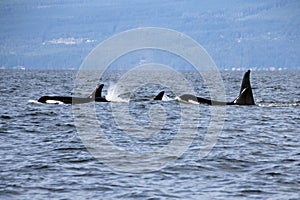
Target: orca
x: 245, y: 97
x: 95, y: 96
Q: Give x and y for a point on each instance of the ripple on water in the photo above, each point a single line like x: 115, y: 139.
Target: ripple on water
x: 257, y: 154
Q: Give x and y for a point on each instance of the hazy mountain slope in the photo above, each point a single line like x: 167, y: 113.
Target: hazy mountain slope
x: 236, y: 33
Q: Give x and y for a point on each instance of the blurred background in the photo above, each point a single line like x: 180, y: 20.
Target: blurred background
x: 238, y: 34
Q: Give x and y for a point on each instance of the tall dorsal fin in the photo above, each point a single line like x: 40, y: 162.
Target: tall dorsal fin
x: 160, y: 95
x: 246, y: 95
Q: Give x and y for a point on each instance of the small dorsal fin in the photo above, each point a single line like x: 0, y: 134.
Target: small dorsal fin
x: 160, y: 95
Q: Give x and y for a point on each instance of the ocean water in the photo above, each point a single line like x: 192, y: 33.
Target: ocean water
x: 44, y: 156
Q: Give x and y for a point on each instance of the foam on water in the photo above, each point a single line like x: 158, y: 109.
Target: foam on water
x: 279, y: 104
x: 34, y: 101
x: 167, y: 98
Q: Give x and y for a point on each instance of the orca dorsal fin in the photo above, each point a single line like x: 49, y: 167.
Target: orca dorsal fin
x: 246, y: 95
x: 160, y: 95
x: 98, y: 92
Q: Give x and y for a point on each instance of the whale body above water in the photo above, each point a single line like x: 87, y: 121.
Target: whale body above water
x: 245, y: 96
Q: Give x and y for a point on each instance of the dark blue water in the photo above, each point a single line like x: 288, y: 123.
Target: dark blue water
x: 257, y: 154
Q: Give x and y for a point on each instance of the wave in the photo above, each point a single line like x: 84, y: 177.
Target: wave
x: 279, y: 104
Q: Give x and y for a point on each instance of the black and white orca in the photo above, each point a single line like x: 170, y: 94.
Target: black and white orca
x: 245, y: 97
x: 95, y: 96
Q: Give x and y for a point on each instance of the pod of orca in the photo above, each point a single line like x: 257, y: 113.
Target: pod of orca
x: 245, y: 96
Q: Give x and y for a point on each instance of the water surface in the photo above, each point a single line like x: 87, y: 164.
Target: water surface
x: 257, y: 154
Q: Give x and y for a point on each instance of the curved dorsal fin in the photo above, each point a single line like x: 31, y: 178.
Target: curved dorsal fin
x: 97, y: 92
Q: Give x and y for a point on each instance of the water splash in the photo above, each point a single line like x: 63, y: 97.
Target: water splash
x: 114, y: 95
x: 34, y: 101
x: 167, y: 98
